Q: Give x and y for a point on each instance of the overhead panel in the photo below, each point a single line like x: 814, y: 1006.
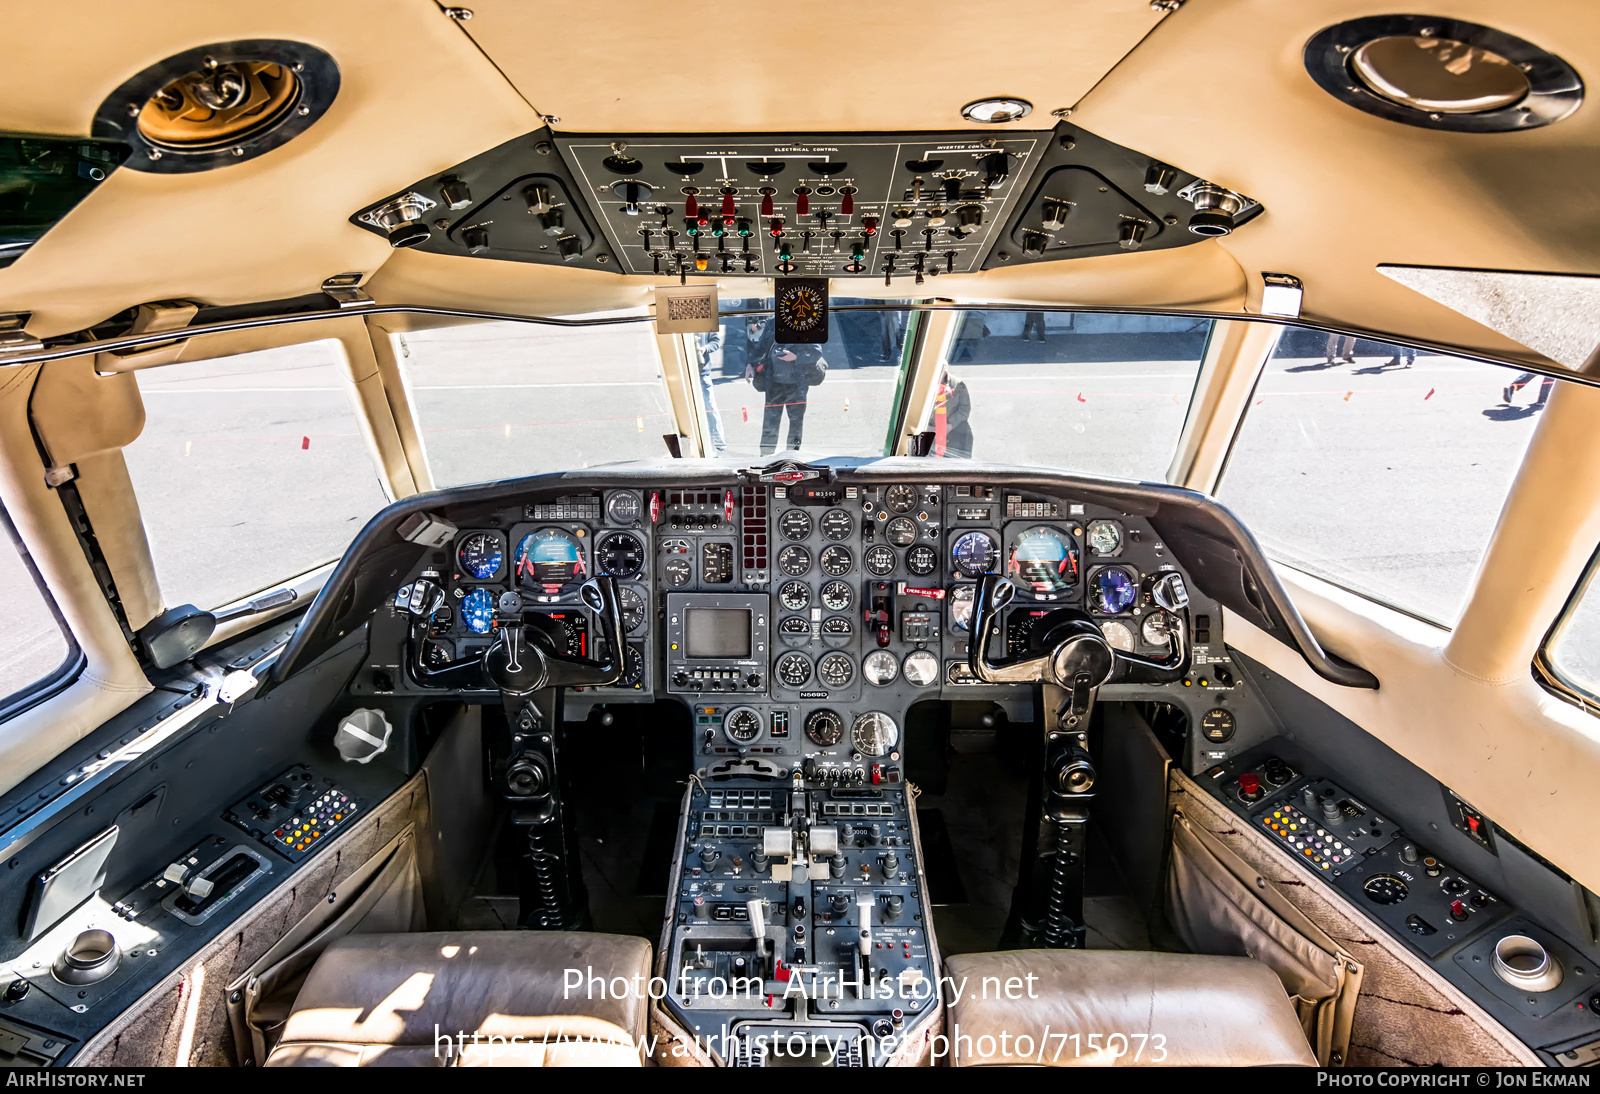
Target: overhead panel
x: 814, y: 206
x: 866, y: 205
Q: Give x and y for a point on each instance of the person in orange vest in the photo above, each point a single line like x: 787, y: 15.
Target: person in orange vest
x: 952, y: 411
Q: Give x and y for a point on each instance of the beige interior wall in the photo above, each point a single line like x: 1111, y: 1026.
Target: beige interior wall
x: 415, y: 97
x: 1465, y: 705
x: 111, y: 679
x: 1221, y: 89
x: 1547, y: 532
x: 1217, y: 87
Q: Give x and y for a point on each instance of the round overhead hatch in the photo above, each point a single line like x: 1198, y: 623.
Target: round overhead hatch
x: 218, y: 104
x: 1442, y: 74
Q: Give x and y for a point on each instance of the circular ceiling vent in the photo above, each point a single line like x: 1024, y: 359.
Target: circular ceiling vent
x: 1442, y: 74
x: 218, y: 104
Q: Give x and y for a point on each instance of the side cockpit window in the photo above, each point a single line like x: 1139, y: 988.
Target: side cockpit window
x: 251, y: 469
x: 1379, y: 468
x: 36, y: 649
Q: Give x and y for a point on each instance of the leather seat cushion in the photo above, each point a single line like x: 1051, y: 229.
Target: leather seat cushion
x: 1192, y: 1010
x: 389, y: 999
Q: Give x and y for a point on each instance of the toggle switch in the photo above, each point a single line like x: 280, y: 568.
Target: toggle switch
x: 1130, y: 237
x: 847, y: 203
x: 802, y: 201
x: 766, y: 200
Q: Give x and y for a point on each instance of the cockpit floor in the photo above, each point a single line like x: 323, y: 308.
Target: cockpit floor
x: 973, y: 845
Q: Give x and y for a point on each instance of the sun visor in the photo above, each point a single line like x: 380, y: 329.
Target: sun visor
x: 1557, y: 315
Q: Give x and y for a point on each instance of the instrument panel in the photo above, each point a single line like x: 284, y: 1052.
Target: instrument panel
x: 802, y: 620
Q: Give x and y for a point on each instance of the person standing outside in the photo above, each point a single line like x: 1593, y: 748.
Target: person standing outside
x: 1033, y: 326
x: 1342, y: 345
x: 708, y: 346
x: 785, y: 374
x: 952, y: 428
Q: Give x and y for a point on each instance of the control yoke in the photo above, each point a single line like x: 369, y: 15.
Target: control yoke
x: 1066, y: 647
x: 524, y: 661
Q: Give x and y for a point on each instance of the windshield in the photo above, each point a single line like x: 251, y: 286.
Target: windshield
x: 1103, y: 394
x: 501, y: 399
x: 762, y: 398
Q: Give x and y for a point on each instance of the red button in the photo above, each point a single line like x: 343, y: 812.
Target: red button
x: 1249, y: 784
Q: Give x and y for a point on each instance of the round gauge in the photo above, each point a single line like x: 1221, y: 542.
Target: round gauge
x: 874, y: 734
x: 836, y: 596
x: 961, y: 606
x: 632, y: 668
x: 795, y: 524
x: 836, y: 670
x: 742, y: 725
x: 836, y: 560
x: 1104, y: 537
x: 880, y: 560
x: 631, y: 601
x: 922, y: 560
x: 480, y: 555
x: 794, y: 627
x: 793, y: 670
x: 838, y: 625
x: 880, y: 667
x: 552, y: 560
x: 477, y: 611
x: 1114, y: 590
x: 794, y: 560
x: 902, y: 498
x: 619, y: 554
x: 824, y: 728
x: 920, y: 668
x: 1118, y: 635
x: 1044, y: 560
x: 974, y: 553
x: 623, y: 507
x: 678, y: 571
x: 901, y: 531
x: 837, y: 525
x: 1159, y: 627
x: 1385, y: 889
x: 795, y: 595
x: 1217, y: 725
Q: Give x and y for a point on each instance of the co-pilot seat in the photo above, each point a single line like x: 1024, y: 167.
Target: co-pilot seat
x: 1153, y: 1009
x: 416, y: 1000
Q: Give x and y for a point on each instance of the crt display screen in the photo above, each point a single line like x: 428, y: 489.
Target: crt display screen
x: 717, y: 633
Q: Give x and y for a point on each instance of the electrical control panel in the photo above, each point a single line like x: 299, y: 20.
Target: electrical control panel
x: 813, y: 206
x: 296, y: 813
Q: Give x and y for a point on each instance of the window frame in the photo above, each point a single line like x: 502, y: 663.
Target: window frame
x: 71, y: 666
x: 1545, y: 671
